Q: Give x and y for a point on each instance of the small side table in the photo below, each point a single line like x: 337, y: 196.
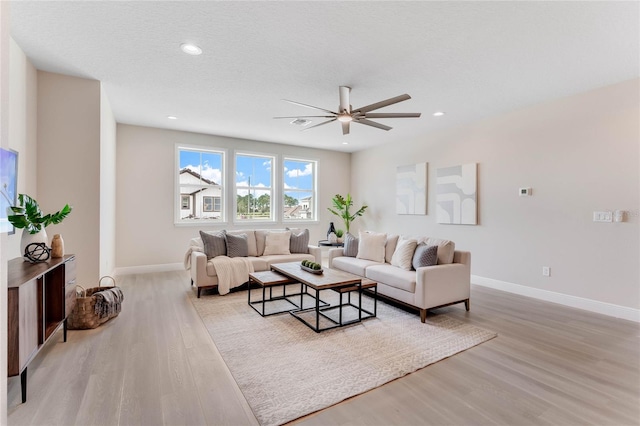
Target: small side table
x: 327, y: 243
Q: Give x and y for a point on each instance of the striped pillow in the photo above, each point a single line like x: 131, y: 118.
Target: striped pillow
x: 403, y: 255
x: 215, y: 243
x: 299, y: 242
x: 237, y: 245
x: 350, y: 245
x: 425, y: 256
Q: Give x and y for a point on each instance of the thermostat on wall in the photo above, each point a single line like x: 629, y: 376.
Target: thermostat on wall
x: 525, y: 192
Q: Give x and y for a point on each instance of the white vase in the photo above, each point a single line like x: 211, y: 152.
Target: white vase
x: 332, y: 238
x: 27, y: 238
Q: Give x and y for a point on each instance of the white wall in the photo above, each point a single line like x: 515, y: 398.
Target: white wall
x: 68, y: 164
x: 579, y: 154
x: 107, y: 187
x: 23, y: 108
x: 146, y: 234
x: 4, y: 143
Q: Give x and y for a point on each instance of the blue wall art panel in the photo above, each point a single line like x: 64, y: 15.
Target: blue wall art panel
x: 8, y: 187
x: 411, y: 189
x: 456, y: 201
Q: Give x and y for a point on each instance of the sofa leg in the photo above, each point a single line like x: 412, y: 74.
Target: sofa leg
x: 466, y: 304
x: 199, y: 288
x: 423, y: 315
x: 191, y: 283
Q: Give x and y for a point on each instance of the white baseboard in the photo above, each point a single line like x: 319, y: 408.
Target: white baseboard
x: 562, y: 299
x: 144, y: 269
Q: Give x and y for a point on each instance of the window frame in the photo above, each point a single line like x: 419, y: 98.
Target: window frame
x: 273, y: 188
x: 313, y: 190
x: 178, y: 221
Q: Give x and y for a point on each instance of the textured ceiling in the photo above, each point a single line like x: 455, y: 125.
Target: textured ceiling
x: 470, y: 59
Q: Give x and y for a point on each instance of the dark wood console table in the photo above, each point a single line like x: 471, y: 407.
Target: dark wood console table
x: 40, y: 297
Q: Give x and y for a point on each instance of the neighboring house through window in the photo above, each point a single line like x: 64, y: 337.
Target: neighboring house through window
x: 299, y: 184
x: 200, y: 180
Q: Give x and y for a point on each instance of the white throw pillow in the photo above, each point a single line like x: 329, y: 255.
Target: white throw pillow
x: 371, y: 246
x: 277, y: 243
x: 403, y: 256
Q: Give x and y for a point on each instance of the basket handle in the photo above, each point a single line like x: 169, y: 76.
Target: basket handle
x: 113, y: 281
x: 84, y: 291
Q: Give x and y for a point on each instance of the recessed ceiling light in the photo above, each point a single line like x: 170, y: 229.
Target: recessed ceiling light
x: 438, y: 114
x: 190, y: 49
x: 345, y: 143
x: 172, y: 117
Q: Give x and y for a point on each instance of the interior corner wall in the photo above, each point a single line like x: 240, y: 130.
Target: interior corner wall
x: 579, y: 154
x: 146, y: 234
x: 68, y: 165
x: 4, y: 143
x: 107, y: 186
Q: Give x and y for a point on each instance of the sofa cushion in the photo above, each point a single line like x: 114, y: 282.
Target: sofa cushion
x: 237, y: 245
x: 350, y: 245
x: 392, y: 276
x: 215, y: 243
x: 352, y: 265
x: 285, y: 258
x: 371, y: 246
x: 403, y: 254
x: 425, y: 255
x: 261, y: 237
x: 299, y: 242
x: 390, y: 247
x: 445, y: 249
x: 259, y: 263
x: 251, y: 240
x: 277, y: 243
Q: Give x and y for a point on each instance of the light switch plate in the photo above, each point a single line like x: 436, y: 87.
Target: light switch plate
x: 605, y: 216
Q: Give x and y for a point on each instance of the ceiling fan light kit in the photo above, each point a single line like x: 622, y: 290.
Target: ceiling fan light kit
x: 346, y: 115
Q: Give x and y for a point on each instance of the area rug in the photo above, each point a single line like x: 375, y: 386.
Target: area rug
x: 286, y: 371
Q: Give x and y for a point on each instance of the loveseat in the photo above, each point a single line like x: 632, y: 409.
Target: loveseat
x: 202, y: 264
x: 392, y: 264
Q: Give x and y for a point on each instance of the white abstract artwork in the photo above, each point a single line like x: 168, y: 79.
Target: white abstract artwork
x: 411, y: 189
x: 456, y: 195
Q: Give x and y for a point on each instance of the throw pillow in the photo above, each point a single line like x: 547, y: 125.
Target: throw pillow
x: 215, y: 243
x: 277, y: 243
x: 350, y: 245
x: 251, y: 240
x: 237, y: 245
x: 425, y: 255
x: 446, y: 249
x: 299, y: 242
x: 371, y: 246
x: 403, y: 255
x: 390, y: 247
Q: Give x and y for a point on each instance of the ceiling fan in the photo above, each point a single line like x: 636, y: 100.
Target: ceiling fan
x: 346, y: 115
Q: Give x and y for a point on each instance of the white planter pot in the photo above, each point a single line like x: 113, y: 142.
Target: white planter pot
x: 27, y: 238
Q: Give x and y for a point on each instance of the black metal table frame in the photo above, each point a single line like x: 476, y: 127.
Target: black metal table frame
x: 319, y: 310
x: 285, y: 296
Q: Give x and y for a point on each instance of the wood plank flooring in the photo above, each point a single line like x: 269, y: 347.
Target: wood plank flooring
x: 156, y: 365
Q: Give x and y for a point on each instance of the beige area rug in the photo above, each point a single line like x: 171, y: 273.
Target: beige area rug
x: 285, y: 370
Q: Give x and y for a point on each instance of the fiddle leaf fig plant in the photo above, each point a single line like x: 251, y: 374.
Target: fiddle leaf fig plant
x: 27, y: 215
x: 341, y: 207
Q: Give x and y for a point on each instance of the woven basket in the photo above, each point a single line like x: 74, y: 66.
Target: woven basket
x: 84, y: 314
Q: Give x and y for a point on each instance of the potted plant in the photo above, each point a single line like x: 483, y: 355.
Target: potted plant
x: 341, y: 207
x: 339, y: 234
x: 28, y: 217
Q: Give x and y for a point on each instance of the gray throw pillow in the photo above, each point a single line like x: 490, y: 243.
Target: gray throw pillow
x: 237, y: 245
x: 350, y: 245
x: 215, y: 243
x: 425, y: 256
x: 299, y: 241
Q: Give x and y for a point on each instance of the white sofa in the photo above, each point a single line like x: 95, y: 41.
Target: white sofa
x: 445, y: 283
x: 203, y: 273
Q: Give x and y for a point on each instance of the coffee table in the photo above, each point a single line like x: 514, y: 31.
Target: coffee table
x: 330, y: 279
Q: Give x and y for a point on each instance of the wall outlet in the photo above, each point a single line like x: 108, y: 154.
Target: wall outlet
x: 602, y: 217
x: 546, y: 271
x: 524, y: 192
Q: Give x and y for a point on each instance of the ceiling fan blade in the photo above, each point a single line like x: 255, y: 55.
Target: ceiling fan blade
x: 372, y: 124
x: 383, y: 104
x: 309, y: 106
x: 319, y: 124
x: 344, y: 99
x: 393, y: 115
x: 345, y: 127
x: 308, y: 116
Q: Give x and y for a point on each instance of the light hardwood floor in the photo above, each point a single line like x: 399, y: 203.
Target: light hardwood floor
x: 156, y: 364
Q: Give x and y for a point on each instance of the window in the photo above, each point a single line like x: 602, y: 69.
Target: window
x: 200, y: 180
x: 299, y: 189
x: 254, y: 188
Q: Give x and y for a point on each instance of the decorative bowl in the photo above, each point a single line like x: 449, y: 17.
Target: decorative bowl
x: 313, y: 271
